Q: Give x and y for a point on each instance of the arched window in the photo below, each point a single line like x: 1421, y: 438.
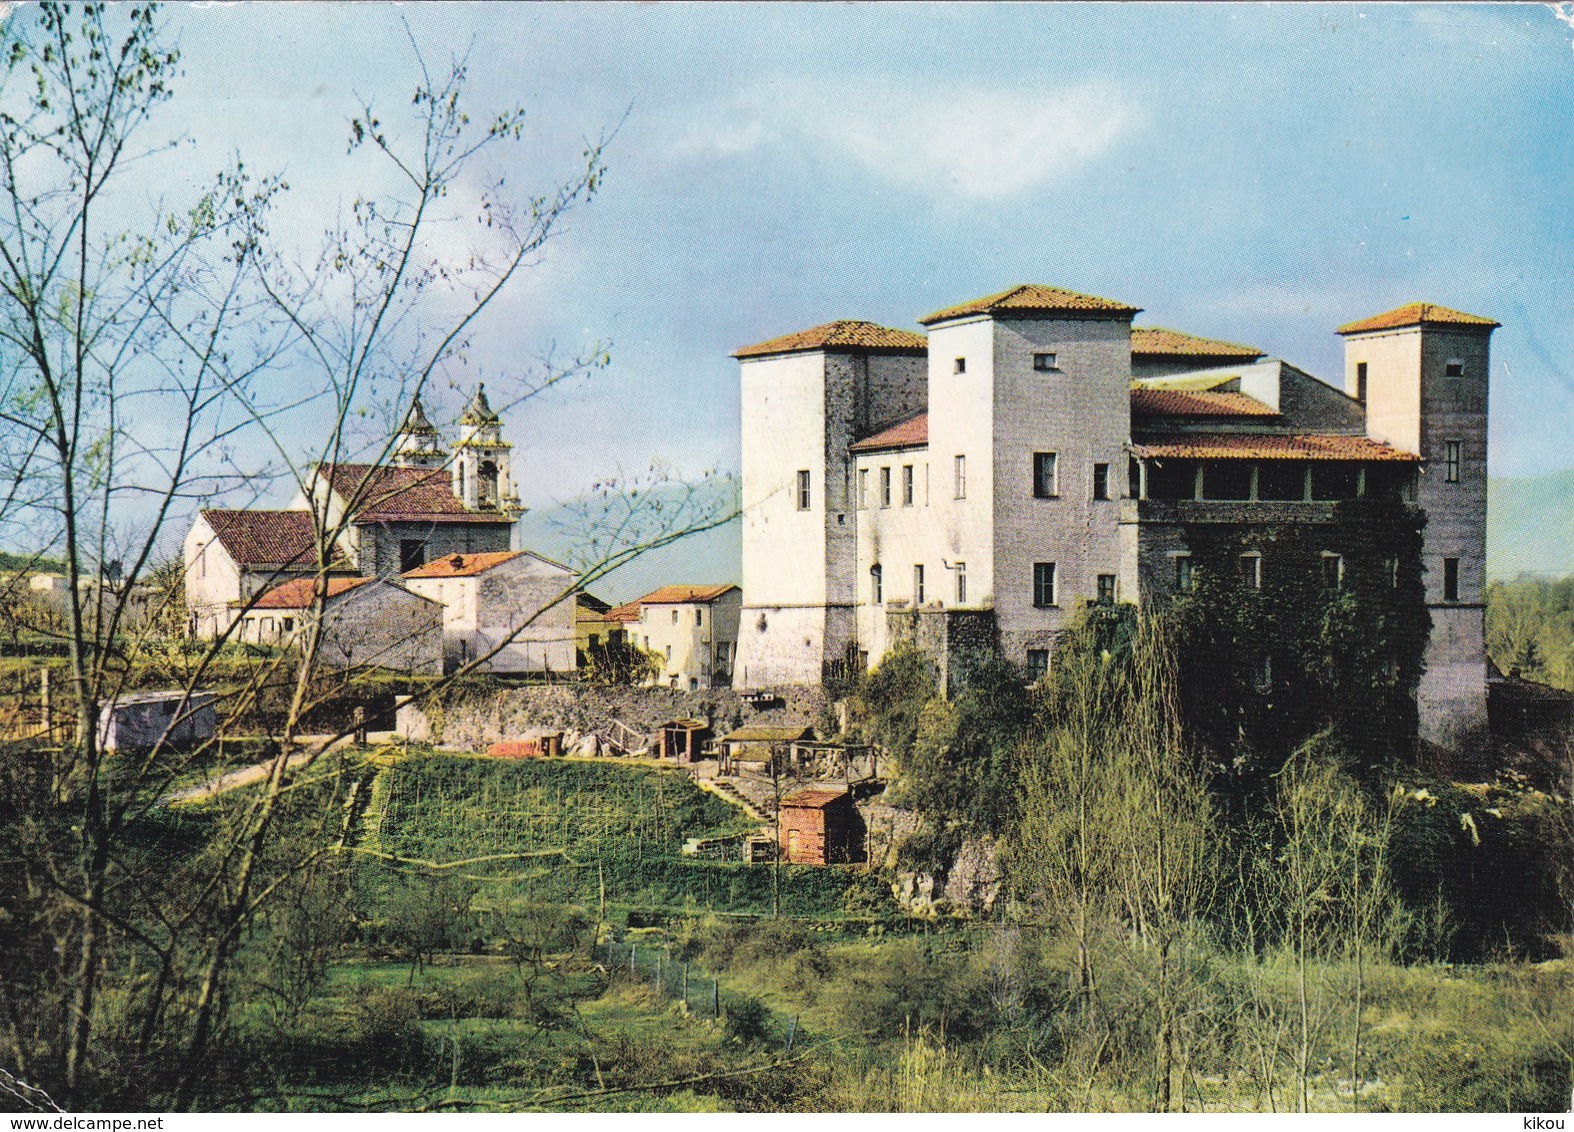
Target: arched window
x: 486, y: 483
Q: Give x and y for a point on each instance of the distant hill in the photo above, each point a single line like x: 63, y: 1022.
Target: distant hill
x: 588, y: 530
x: 1530, y: 525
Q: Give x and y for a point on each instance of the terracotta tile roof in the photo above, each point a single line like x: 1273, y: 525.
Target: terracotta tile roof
x: 384, y: 493
x: 812, y: 799
x: 1187, y: 403
x: 845, y: 334
x: 1417, y: 314
x: 686, y: 595
x: 1159, y: 341
x: 462, y: 565
x: 1267, y: 446
x: 268, y: 538
x: 628, y: 611
x: 1034, y: 298
x: 911, y: 433
x: 300, y: 593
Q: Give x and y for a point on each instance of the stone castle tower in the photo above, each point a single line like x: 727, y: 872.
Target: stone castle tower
x: 1421, y: 371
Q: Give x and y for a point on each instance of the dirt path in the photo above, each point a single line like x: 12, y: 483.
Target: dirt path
x: 247, y: 775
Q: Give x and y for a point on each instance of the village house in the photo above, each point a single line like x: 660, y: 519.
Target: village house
x: 692, y: 629
x: 232, y: 556
x: 515, y: 602
x: 592, y: 629
x: 973, y: 488
x: 366, y: 623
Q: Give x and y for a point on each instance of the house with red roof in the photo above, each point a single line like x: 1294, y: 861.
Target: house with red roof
x: 360, y: 622
x: 976, y: 486
x: 503, y: 611
x: 692, y: 629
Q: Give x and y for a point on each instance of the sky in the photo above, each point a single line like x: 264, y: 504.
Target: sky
x: 1257, y: 173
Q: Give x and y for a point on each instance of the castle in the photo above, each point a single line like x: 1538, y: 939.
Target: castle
x: 1036, y: 451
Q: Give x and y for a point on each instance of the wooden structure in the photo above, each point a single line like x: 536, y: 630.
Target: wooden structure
x: 820, y: 827
x: 761, y: 745
x: 684, y: 739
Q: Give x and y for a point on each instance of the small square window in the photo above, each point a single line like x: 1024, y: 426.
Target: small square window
x: 803, y: 490
x: 699, y: 617
x: 674, y: 616
x: 1100, y: 481
x: 959, y: 366
x: 1106, y: 589
x: 1046, y: 363
x: 1454, y: 367
x: 1450, y: 579
x: 1037, y: 663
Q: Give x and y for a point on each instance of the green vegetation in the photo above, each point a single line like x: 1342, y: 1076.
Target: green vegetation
x: 1530, y: 629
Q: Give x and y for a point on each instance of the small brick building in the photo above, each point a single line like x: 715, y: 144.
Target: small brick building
x: 821, y: 827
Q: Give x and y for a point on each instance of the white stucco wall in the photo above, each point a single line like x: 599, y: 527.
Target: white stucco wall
x: 524, y: 602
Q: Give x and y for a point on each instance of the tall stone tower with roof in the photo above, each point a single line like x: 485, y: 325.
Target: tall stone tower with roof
x: 1421, y: 371
x: 807, y: 397
x: 418, y: 443
x: 483, y: 479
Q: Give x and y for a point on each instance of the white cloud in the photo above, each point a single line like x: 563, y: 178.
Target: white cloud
x: 974, y: 142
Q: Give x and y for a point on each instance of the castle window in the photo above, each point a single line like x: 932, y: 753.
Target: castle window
x: 1360, y: 381
x: 1262, y: 673
x: 1046, y: 363
x: 1037, y: 663
x: 1451, y: 461
x: 863, y: 488
x: 876, y: 586
x: 1251, y: 570
x: 1333, y: 570
x: 885, y: 487
x: 1044, y: 587
x: 412, y: 554
x: 803, y: 490
x: 907, y: 485
x: 1450, y: 579
x: 918, y: 585
x: 1106, y: 589
x: 959, y: 366
x: 961, y: 477
x: 1454, y: 367
x: 1046, y: 475
x: 1183, y: 576
x: 699, y: 617
x: 1100, y: 481
x: 486, y: 483
x: 1227, y: 479
x: 961, y: 583
x: 1283, y: 480
x: 674, y: 616
x: 1392, y: 566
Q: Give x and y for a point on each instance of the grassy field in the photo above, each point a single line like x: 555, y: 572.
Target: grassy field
x: 524, y: 1001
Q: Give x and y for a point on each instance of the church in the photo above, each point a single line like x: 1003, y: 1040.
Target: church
x: 426, y: 513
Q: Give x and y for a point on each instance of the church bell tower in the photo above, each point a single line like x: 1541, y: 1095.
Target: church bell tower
x: 483, y: 480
